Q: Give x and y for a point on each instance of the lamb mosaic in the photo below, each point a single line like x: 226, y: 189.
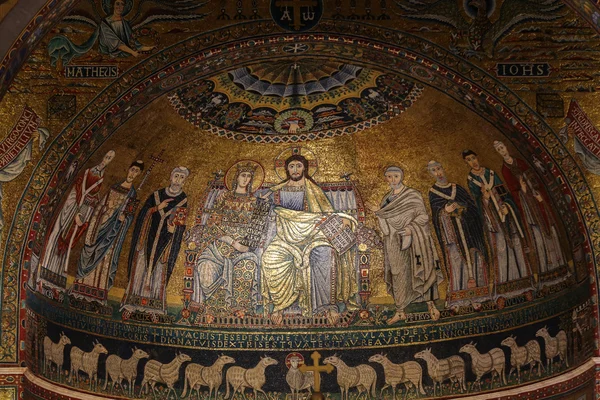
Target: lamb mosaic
x: 418, y: 371
x: 275, y: 199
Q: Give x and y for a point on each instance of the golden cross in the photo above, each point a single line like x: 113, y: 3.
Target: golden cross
x: 317, y: 369
x: 296, y: 6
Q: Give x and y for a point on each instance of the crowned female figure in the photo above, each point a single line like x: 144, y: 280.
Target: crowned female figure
x: 225, y: 275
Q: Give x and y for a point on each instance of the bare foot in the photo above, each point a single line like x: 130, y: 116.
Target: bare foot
x: 434, y: 312
x: 399, y: 316
x: 333, y: 316
x: 277, y: 318
x: 471, y: 283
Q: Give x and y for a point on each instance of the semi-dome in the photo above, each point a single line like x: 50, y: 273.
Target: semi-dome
x: 292, y: 101
x: 301, y: 200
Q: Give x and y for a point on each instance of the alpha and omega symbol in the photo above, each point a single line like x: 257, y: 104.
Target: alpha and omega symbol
x: 296, y: 15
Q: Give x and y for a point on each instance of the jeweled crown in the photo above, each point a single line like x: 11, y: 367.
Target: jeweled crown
x: 246, y: 167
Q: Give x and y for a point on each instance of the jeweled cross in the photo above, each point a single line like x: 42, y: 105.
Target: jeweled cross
x: 317, y: 369
x: 132, y: 204
x: 296, y: 6
x: 155, y: 160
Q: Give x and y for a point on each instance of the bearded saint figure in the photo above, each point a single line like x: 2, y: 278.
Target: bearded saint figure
x: 459, y: 230
x: 301, y: 272
x: 412, y: 270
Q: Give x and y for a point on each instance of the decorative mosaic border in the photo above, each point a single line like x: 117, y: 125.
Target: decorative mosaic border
x: 38, y: 388
x: 551, y: 388
x: 216, y: 51
x: 338, y: 338
x: 588, y: 10
x: 11, y: 383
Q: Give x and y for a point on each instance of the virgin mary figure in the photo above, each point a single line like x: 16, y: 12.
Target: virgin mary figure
x: 225, y: 274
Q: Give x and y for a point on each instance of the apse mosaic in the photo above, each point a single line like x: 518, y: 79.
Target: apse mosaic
x: 393, y: 257
x: 266, y: 246
x: 287, y: 198
x: 282, y: 102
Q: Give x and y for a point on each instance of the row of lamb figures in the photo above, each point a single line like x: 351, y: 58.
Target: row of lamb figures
x: 294, y: 248
x: 121, y: 374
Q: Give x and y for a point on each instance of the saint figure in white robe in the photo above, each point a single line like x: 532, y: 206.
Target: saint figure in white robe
x: 69, y: 226
x: 412, y: 267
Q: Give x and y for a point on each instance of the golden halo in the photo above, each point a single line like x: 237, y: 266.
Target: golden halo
x: 257, y: 181
x: 288, y: 359
x: 313, y: 164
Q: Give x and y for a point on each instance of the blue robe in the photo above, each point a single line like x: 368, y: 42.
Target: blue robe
x: 108, y: 242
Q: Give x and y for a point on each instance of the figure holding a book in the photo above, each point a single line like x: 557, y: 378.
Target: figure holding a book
x: 155, y: 245
x: 302, y: 271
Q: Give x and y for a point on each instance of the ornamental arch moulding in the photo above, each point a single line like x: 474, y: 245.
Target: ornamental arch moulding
x: 225, y: 93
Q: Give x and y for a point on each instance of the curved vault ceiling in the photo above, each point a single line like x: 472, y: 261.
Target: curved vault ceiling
x: 294, y: 101
x: 255, y: 102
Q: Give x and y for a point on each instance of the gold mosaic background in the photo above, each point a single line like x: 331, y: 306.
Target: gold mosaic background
x: 435, y: 127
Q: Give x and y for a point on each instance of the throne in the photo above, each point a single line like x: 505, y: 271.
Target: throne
x: 345, y: 198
